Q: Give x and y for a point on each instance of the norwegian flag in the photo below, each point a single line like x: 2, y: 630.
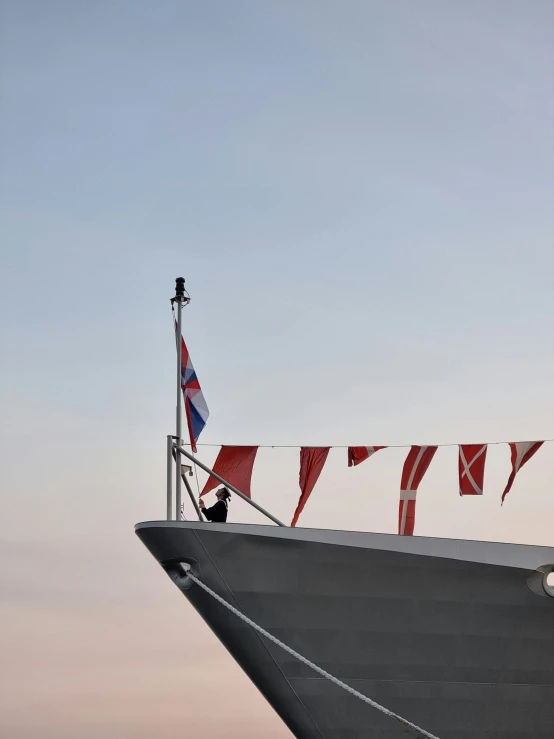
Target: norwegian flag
x: 471, y: 468
x: 418, y: 460
x: 357, y: 454
x: 195, y: 404
x: 521, y: 451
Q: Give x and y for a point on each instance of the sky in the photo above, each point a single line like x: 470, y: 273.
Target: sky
x: 359, y: 195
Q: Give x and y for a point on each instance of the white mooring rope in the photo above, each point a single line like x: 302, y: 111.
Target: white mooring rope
x: 307, y: 662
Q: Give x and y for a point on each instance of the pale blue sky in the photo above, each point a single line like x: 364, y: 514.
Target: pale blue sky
x: 360, y: 197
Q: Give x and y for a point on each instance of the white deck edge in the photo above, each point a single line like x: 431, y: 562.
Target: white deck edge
x: 523, y: 556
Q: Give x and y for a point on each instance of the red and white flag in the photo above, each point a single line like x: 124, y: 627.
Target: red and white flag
x: 357, y: 454
x: 471, y: 468
x: 522, y: 451
x: 416, y: 464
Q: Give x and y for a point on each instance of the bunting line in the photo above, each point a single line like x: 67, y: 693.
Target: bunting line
x: 235, y: 463
x: 348, y: 446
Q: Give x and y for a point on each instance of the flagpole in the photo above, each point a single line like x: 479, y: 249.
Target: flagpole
x: 180, y: 300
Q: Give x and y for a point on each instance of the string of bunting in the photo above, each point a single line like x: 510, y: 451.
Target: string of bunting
x: 235, y: 464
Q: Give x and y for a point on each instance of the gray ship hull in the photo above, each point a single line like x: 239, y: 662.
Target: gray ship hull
x: 456, y: 636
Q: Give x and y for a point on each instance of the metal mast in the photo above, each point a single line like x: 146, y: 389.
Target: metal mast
x: 181, y: 298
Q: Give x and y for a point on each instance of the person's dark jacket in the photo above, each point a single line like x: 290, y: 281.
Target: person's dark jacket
x: 217, y: 513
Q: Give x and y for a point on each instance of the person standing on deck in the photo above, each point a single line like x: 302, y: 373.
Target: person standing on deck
x: 218, y: 512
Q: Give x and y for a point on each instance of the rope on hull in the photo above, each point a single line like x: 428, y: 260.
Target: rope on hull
x: 308, y: 663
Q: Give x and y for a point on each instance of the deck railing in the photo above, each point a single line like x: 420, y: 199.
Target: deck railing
x: 174, y: 452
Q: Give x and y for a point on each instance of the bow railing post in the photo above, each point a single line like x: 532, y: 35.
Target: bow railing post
x: 169, y: 476
x: 227, y: 484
